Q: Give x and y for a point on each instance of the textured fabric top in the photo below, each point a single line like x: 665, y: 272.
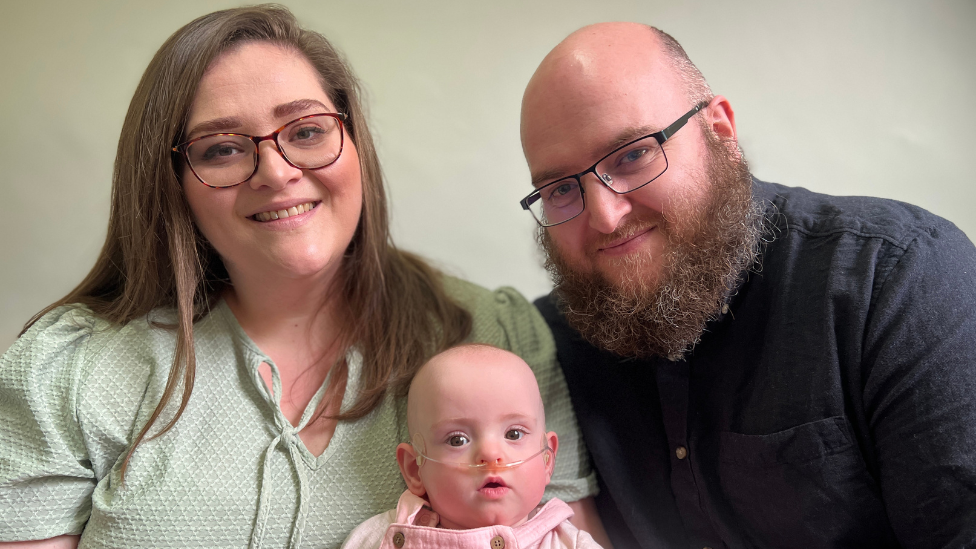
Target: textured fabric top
x: 75, y: 390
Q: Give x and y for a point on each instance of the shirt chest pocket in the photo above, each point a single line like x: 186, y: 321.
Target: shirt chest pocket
x: 805, y: 486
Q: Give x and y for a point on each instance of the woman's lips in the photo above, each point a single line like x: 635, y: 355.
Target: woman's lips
x: 272, y: 215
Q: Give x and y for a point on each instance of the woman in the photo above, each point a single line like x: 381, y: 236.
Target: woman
x: 229, y: 372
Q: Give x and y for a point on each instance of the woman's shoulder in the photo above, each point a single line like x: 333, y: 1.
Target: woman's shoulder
x: 504, y: 318
x: 75, y: 331
x: 53, y: 341
x: 72, y: 353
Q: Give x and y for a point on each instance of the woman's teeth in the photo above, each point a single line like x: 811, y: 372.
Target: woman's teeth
x: 281, y: 214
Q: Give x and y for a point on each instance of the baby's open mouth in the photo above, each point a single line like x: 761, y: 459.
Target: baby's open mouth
x: 494, y: 482
x: 272, y: 215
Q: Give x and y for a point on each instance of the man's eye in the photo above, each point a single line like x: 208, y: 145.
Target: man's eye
x: 457, y: 440
x: 515, y: 434
x: 557, y: 192
x: 633, y: 156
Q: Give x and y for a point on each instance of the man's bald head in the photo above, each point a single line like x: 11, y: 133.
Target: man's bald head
x: 588, y: 59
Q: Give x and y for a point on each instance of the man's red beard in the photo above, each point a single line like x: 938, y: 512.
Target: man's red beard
x: 710, y: 245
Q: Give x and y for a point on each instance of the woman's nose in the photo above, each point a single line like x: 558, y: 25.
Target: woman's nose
x: 604, y: 207
x: 273, y: 170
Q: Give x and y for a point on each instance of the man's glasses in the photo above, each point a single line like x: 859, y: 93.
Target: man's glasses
x: 227, y: 159
x: 625, y: 169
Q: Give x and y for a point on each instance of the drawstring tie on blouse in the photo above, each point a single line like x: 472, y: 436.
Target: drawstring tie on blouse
x: 289, y: 439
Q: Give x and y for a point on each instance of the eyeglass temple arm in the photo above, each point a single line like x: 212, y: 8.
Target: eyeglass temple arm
x: 666, y: 133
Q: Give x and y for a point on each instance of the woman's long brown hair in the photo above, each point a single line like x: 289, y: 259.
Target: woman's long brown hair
x: 154, y: 257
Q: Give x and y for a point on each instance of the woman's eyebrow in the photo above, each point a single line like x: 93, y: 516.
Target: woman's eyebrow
x: 217, y: 125
x: 228, y: 123
x: 298, y: 107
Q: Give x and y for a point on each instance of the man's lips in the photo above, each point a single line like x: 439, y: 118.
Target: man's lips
x: 625, y: 244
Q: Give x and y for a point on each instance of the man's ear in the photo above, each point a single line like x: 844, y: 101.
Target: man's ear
x: 720, y: 118
x: 553, y: 440
x: 407, y: 459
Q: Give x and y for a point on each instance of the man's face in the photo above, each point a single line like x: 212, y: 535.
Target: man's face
x: 567, y: 129
x: 639, y: 274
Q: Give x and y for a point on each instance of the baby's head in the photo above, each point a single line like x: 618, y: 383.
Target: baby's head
x: 477, y: 405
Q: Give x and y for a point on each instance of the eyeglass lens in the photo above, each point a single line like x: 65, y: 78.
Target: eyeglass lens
x: 625, y: 170
x: 224, y: 160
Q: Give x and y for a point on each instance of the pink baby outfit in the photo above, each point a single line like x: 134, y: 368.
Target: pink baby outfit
x: 413, y: 525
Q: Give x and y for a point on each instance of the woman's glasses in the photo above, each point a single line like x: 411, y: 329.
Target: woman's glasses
x: 227, y: 159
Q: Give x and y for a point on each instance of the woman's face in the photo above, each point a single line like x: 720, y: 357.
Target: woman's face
x: 255, y: 89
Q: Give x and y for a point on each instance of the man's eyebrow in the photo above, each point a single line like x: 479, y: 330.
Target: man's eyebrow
x: 620, y: 139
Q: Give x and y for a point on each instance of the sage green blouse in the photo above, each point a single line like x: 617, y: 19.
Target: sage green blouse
x: 75, y: 390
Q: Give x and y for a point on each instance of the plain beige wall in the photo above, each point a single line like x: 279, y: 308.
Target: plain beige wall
x: 871, y: 97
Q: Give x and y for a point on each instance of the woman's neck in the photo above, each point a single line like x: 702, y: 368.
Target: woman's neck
x: 279, y: 308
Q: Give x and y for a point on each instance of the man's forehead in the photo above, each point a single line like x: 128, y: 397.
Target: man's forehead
x: 589, y: 97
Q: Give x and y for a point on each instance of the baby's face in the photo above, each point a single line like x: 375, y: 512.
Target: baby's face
x: 480, y: 405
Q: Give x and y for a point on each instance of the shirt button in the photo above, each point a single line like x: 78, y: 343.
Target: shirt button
x: 497, y: 542
x: 398, y: 539
x: 681, y: 452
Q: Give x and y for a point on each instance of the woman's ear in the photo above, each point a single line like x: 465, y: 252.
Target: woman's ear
x: 407, y: 459
x: 553, y: 441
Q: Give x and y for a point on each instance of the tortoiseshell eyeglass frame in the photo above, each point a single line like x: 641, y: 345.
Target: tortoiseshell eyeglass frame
x: 340, y: 117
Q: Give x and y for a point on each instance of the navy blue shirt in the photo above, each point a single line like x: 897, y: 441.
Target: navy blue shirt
x: 833, y: 405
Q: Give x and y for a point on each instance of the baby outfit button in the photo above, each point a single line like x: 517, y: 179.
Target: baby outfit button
x: 398, y: 539
x: 497, y: 542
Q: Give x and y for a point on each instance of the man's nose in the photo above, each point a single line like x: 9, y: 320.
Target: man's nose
x: 273, y: 170
x: 604, y: 207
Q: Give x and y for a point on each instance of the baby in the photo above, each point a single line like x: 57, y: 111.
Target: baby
x: 479, y: 461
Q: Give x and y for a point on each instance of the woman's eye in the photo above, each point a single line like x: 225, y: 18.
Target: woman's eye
x: 457, y: 440
x: 515, y: 434
x: 308, y: 133
x: 221, y: 151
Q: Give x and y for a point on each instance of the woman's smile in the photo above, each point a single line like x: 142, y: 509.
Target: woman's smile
x: 284, y: 213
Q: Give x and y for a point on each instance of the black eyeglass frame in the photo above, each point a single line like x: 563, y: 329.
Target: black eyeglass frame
x: 340, y: 117
x: 660, y: 137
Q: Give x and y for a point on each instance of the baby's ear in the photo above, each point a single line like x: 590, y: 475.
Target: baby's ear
x: 553, y: 441
x: 407, y: 459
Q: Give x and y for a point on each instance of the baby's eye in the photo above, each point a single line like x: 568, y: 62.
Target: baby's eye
x: 457, y: 440
x: 515, y: 434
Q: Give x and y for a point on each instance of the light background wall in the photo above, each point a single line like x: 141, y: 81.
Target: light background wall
x: 872, y: 97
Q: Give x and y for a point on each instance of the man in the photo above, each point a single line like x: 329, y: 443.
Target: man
x: 752, y: 365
